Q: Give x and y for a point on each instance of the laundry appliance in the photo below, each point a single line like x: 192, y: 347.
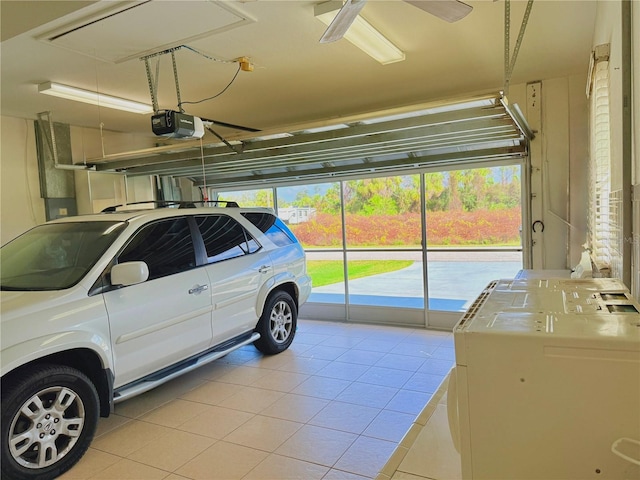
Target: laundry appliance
x: 547, y: 381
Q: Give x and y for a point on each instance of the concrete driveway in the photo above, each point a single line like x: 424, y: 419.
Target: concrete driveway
x: 455, y: 279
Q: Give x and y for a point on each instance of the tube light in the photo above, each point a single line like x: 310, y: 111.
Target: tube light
x: 363, y: 35
x: 94, y: 98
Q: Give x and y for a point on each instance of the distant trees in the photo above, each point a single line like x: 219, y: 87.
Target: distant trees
x: 479, y: 206
x: 475, y: 189
x: 455, y: 190
x: 250, y: 198
x: 382, y: 196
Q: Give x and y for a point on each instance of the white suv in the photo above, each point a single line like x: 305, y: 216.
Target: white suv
x: 98, y: 308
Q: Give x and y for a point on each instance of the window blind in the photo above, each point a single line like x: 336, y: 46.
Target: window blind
x: 600, y: 222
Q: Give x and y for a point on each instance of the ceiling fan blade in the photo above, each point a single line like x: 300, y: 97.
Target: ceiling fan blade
x: 343, y: 20
x: 448, y: 10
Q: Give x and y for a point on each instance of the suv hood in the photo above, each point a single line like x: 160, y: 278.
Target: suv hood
x: 27, y: 315
x: 18, y: 303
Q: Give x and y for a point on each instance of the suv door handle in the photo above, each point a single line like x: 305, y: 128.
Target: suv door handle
x: 198, y: 289
x: 264, y: 269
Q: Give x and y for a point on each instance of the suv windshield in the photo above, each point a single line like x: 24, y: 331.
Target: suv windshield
x: 55, y: 256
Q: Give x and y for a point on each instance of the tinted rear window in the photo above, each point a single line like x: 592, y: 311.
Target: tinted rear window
x: 225, y: 238
x: 273, y: 228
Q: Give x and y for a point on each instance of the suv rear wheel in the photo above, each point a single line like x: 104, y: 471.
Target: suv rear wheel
x: 277, y: 325
x: 49, y: 417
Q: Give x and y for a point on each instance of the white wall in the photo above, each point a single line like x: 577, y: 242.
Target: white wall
x: 20, y: 204
x: 556, y: 143
x: 562, y: 144
x: 578, y: 167
x: 98, y: 190
x: 141, y: 189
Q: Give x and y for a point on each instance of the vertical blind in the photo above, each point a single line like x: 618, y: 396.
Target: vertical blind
x: 600, y: 234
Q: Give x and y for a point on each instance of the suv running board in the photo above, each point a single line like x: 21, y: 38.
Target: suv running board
x: 169, y: 373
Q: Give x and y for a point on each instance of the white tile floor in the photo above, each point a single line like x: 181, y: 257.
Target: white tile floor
x: 426, y: 452
x: 333, y: 406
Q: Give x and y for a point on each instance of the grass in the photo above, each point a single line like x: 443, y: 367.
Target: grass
x: 326, y: 272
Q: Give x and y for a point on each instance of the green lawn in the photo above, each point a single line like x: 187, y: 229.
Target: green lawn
x: 326, y: 272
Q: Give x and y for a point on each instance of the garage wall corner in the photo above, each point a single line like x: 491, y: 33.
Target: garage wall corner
x: 21, y: 206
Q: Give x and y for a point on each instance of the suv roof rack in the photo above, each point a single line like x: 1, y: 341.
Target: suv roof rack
x: 174, y: 204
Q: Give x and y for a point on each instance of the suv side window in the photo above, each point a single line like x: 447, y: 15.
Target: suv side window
x: 225, y: 238
x: 165, y: 246
x: 272, y: 227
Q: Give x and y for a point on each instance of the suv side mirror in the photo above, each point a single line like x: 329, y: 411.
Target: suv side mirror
x: 129, y: 273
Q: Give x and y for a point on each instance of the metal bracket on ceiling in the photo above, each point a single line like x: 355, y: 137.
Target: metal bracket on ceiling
x: 153, y: 91
x: 153, y: 88
x: 509, y: 63
x: 153, y: 83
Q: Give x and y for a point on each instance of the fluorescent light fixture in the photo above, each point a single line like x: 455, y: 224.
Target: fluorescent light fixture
x: 362, y: 34
x: 326, y: 128
x: 94, y: 98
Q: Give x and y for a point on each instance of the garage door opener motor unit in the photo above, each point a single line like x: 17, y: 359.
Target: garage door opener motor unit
x: 172, y: 124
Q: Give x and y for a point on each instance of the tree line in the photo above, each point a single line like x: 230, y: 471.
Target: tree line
x: 469, y: 190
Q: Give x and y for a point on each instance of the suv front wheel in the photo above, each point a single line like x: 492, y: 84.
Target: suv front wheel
x: 49, y: 417
x: 277, y: 325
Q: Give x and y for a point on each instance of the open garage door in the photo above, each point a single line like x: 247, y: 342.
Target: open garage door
x: 409, y: 139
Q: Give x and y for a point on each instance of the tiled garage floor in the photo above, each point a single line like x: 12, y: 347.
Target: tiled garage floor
x: 333, y: 406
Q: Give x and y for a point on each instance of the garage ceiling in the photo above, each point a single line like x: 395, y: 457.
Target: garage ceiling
x: 297, y: 83
x: 114, y: 35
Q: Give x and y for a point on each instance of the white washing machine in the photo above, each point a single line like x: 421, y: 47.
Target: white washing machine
x: 547, y: 381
